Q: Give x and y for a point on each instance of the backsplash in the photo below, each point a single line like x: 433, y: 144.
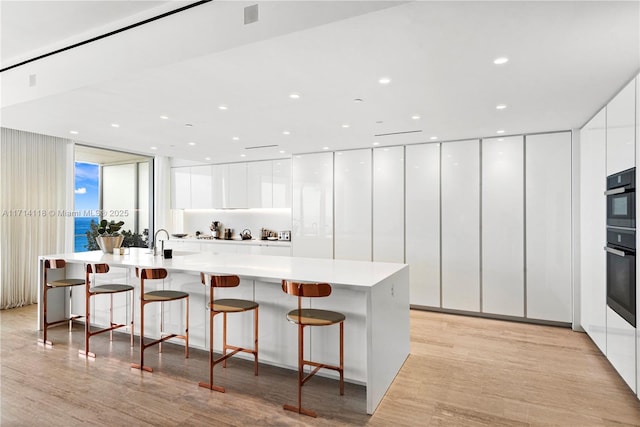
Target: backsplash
x: 189, y: 221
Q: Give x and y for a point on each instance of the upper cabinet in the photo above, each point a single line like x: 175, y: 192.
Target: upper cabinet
x: 388, y: 204
x: 264, y: 184
x: 621, y: 119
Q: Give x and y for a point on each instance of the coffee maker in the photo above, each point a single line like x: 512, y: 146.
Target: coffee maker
x: 216, y: 229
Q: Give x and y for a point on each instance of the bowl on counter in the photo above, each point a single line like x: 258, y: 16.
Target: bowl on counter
x: 180, y: 235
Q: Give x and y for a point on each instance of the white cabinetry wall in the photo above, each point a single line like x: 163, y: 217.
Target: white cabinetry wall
x: 260, y: 184
x: 461, y: 225
x: 422, y: 234
x: 637, y: 271
x: 621, y: 130
x: 503, y: 226
x: 592, y: 230
x: 353, y: 205
x: 181, y: 188
x: 312, y: 209
x: 237, y: 186
x: 201, y: 188
x: 388, y: 204
x: 282, y: 183
x: 548, y: 226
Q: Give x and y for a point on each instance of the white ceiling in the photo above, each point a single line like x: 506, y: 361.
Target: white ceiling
x: 566, y: 60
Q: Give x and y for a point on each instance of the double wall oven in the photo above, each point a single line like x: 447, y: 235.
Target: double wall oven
x: 621, y: 244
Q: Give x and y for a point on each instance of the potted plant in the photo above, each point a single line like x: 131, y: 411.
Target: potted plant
x: 129, y: 238
x: 108, y: 236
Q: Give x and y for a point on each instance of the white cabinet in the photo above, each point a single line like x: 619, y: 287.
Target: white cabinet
x: 593, y: 288
x: 353, y: 205
x: 423, y: 223
x: 461, y: 225
x: 220, y: 185
x: 201, y: 190
x: 621, y: 347
x: 181, y: 188
x: 237, y: 186
x: 621, y: 130
x: 312, y: 210
x: 548, y: 226
x: 503, y: 226
x: 260, y: 184
x: 388, y: 204
x: 282, y: 183
x: 637, y: 210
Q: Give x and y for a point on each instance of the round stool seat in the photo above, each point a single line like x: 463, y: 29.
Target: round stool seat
x: 230, y: 305
x: 315, y: 317
x: 164, y: 295
x: 66, y: 282
x: 111, y: 288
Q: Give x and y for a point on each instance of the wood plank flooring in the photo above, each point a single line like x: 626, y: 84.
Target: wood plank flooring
x: 462, y: 371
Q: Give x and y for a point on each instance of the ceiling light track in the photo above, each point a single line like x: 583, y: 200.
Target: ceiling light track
x: 398, y: 133
x: 111, y: 33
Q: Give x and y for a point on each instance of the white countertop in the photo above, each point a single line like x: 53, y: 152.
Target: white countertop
x: 276, y: 268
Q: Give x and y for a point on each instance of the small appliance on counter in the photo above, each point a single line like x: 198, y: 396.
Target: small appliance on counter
x: 284, y: 235
x: 228, y: 233
x: 216, y: 229
x: 266, y: 234
x: 246, y: 234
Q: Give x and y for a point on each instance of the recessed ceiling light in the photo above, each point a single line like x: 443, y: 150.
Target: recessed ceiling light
x: 207, y: 158
x: 384, y: 81
x: 501, y: 107
x: 115, y: 125
x: 294, y: 95
x: 192, y: 143
x: 500, y: 131
x: 164, y: 117
x: 415, y: 117
x: 376, y: 143
x: 325, y: 148
x: 433, y: 138
x: 286, y: 132
x: 236, y: 138
x: 282, y: 151
x: 501, y: 60
x: 345, y: 125
x: 73, y: 132
x: 501, y: 139
x: 154, y: 148
x: 222, y: 107
x: 243, y: 155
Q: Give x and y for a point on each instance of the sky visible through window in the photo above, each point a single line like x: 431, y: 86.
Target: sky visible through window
x: 86, y: 201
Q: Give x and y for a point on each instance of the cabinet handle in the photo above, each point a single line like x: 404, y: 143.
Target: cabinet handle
x: 614, y: 251
x: 618, y: 190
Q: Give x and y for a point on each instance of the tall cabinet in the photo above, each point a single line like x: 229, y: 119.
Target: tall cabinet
x: 503, y: 226
x: 388, y: 204
x: 548, y: 227
x: 460, y: 243
x: 422, y: 234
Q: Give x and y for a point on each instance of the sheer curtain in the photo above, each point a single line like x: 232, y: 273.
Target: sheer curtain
x: 34, y: 201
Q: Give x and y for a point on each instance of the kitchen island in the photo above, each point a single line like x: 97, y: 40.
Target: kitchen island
x: 374, y: 297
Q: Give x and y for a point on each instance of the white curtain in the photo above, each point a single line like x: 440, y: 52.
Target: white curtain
x: 33, y: 201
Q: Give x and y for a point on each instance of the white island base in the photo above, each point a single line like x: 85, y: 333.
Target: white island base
x: 373, y: 296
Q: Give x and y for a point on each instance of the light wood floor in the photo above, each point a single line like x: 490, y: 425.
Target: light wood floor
x: 462, y: 371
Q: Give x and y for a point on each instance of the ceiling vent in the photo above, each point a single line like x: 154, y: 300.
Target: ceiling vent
x: 398, y: 133
x: 260, y: 146
x: 251, y: 14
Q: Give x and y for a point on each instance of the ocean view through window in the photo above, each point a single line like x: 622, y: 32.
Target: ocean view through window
x: 87, y: 177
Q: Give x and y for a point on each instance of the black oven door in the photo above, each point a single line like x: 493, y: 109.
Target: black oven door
x: 621, y: 208
x: 621, y: 282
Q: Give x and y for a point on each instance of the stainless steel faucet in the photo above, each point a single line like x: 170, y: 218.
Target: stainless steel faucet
x: 155, y: 242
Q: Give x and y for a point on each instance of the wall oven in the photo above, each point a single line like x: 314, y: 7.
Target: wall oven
x: 621, y: 272
x: 621, y: 199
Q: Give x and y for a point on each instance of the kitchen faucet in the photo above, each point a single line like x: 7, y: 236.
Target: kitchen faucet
x: 155, y: 239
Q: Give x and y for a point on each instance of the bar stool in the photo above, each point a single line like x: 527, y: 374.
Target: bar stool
x: 226, y: 306
x: 161, y: 297
x: 53, y: 264
x: 107, y: 289
x: 312, y: 317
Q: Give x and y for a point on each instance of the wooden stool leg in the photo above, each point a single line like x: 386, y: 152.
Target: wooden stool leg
x: 224, y: 339
x: 186, y: 333
x: 255, y: 340
x: 299, y: 409
x: 341, y: 359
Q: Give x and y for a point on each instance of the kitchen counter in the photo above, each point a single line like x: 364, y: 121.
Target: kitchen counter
x: 374, y: 296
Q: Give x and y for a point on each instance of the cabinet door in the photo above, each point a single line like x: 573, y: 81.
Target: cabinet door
x: 312, y: 210
x: 181, y: 188
x: 593, y: 313
x: 548, y: 227
x: 503, y: 226
x: 220, y: 186
x: 461, y: 225
x: 260, y: 184
x: 621, y: 130
x: 201, y: 187
x: 423, y: 223
x: 353, y: 205
x: 237, y: 185
x: 388, y: 204
x: 282, y: 183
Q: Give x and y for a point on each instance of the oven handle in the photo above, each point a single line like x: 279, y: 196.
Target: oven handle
x: 618, y: 190
x: 614, y: 251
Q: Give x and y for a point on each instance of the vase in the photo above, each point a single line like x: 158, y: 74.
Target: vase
x: 107, y: 243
